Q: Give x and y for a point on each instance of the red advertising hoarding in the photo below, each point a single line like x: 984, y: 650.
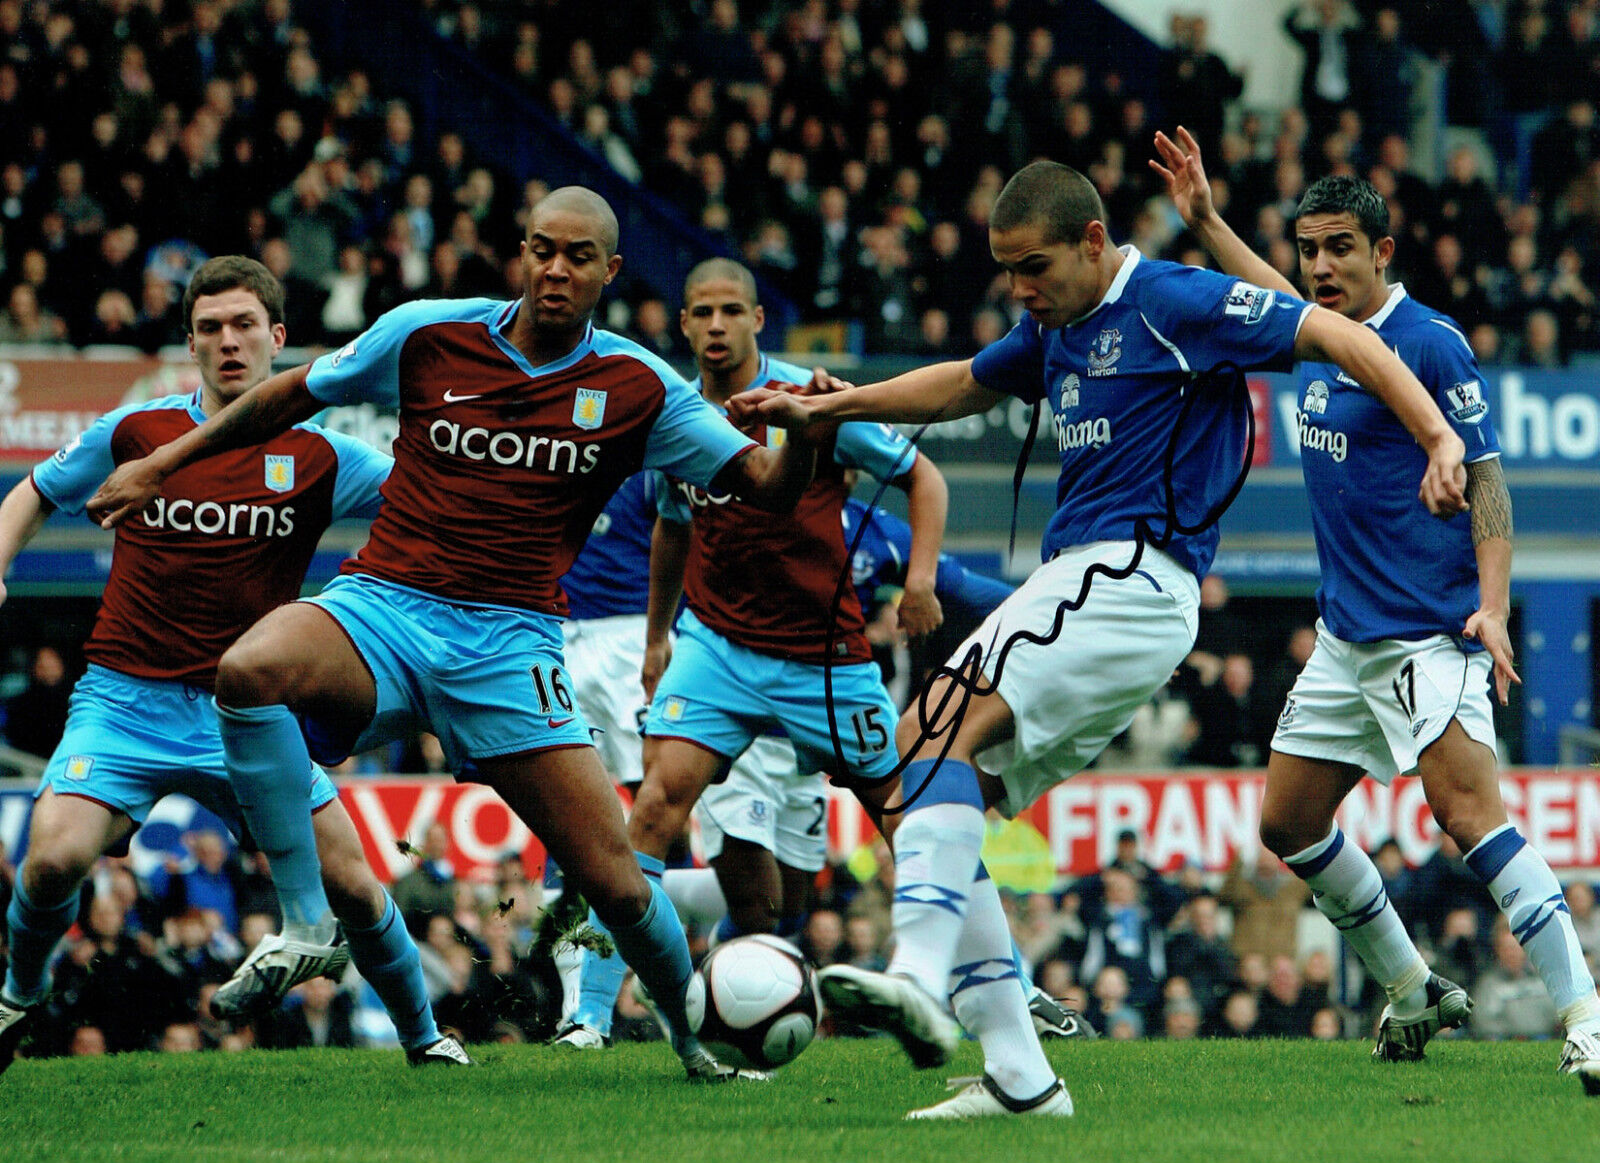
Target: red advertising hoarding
x: 1204, y: 819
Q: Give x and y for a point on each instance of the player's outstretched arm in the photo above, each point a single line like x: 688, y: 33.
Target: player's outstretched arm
x: 669, y: 550
x: 267, y: 409
x: 771, y: 478
x: 929, y: 505
x: 1190, y: 190
x: 1491, y: 541
x: 1331, y: 337
x: 21, y: 514
x: 940, y: 391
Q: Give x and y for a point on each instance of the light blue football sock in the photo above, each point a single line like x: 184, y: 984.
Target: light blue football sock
x: 657, y: 950
x: 387, y: 957
x: 599, y: 982
x: 270, y: 770
x: 33, y: 934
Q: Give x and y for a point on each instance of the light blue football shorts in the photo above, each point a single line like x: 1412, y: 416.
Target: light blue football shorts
x: 487, y: 680
x: 130, y: 741
x: 721, y: 696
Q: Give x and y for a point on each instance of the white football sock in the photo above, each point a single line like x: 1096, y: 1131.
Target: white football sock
x: 935, y: 859
x: 696, y: 894
x: 1348, y: 890
x: 991, y: 1001
x: 1534, y: 905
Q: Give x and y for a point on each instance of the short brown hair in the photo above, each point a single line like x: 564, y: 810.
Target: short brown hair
x: 721, y: 268
x: 228, y: 272
x: 1058, y: 197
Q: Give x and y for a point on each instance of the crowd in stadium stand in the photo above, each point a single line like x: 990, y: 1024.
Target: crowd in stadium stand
x: 850, y: 152
x: 1142, y: 954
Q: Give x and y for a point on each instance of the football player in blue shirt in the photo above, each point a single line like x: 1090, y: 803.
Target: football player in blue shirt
x: 1116, y: 345
x: 1413, y: 623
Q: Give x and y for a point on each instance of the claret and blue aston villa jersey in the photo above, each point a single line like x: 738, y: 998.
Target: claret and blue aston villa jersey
x: 501, y: 467
x: 1390, y: 569
x: 226, y: 541
x: 767, y: 581
x: 1115, y: 380
x: 611, y: 575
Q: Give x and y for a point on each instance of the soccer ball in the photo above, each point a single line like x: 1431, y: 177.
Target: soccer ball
x: 753, y: 1002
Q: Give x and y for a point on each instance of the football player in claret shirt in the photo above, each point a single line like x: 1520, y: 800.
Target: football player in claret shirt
x: 1412, y: 627
x: 761, y: 627
x: 225, y: 541
x: 1114, y: 345
x: 517, y: 422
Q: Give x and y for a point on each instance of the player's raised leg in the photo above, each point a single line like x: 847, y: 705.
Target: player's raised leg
x: 565, y: 796
x: 1460, y: 777
x: 1297, y: 823
x: 66, y: 836
x: 295, y: 653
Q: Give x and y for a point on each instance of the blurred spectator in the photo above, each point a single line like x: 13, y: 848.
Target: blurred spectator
x: 1325, y: 30
x: 1266, y: 899
x: 823, y: 939
x: 316, y: 1013
x: 656, y: 328
x: 36, y: 717
x: 1439, y: 885
x: 315, y: 218
x: 1384, y: 73
x: 25, y: 321
x: 206, y: 880
x: 1197, y: 952
x: 1287, y: 1006
x: 1239, y: 1017
x: 1509, y: 999
x: 1234, y: 717
x: 1181, y: 1019
x: 428, y: 890
x: 107, y: 980
x: 1128, y: 933
x: 1195, y: 80
x: 180, y: 1038
x: 1585, y: 915
x: 1539, y: 345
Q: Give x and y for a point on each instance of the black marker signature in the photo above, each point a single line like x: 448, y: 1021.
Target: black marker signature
x: 966, y: 677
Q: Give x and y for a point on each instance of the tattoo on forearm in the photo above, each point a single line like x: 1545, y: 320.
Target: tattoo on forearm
x: 1491, y: 503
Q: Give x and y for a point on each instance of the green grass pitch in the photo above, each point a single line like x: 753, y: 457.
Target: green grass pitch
x: 1151, y: 1102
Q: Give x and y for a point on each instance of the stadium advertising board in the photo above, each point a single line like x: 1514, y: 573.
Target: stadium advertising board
x: 1545, y: 419
x: 1202, y: 819
x: 46, y: 403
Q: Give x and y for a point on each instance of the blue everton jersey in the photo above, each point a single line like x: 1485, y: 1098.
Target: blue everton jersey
x: 611, y: 575
x: 1390, y: 569
x: 881, y: 557
x: 1115, y: 380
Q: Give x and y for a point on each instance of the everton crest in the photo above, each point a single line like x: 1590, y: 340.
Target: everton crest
x: 1104, y: 352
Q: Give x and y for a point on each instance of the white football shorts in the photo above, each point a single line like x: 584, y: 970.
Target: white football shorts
x: 1072, y: 695
x: 764, y: 801
x: 604, y: 656
x: 1378, y: 705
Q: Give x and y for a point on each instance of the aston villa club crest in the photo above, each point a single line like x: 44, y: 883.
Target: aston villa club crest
x: 589, y: 409
x: 280, y: 473
x: 79, y: 766
x: 1104, y: 353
